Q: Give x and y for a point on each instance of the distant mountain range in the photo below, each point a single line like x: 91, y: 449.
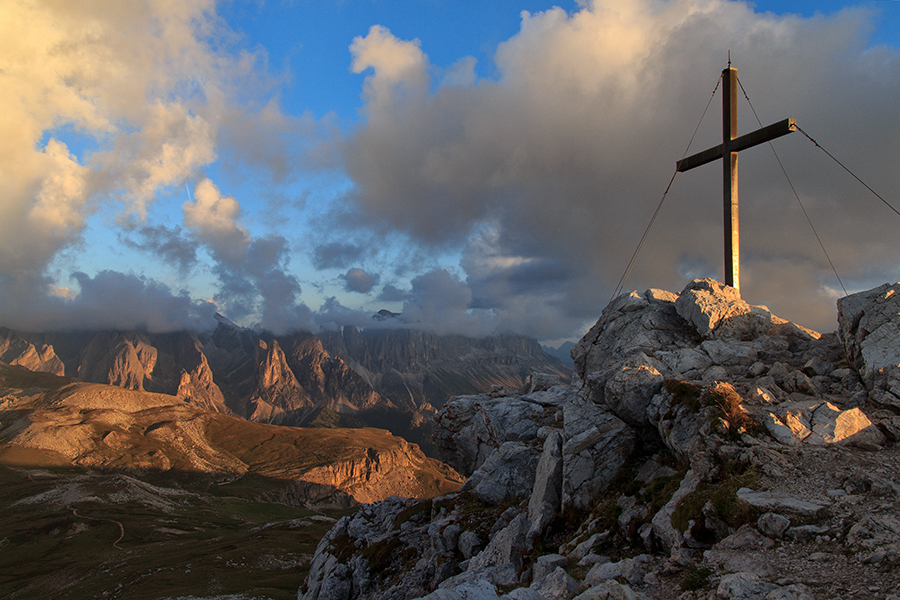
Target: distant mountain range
x: 563, y: 353
x: 393, y: 379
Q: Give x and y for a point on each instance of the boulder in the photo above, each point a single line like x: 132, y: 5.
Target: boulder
x: 508, y: 474
x: 869, y: 329
x: 546, y: 564
x: 796, y: 591
x: 469, y: 428
x: 632, y: 570
x: 546, y: 495
x: 773, y: 524
x: 508, y: 546
x: 557, y: 585
x: 630, y: 324
x: 629, y: 389
x: 705, y: 303
x: 743, y: 586
x: 474, y: 590
x: 598, y: 445
x: 663, y: 530
x: 608, y: 590
x: 730, y: 353
x: 780, y: 502
x: 523, y: 594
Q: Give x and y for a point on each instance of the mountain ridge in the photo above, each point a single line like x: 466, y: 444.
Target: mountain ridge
x: 391, y: 379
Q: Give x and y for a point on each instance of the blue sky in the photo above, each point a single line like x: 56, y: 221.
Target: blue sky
x: 478, y: 167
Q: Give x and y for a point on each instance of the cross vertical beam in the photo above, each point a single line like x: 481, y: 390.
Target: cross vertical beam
x: 730, y: 179
x: 728, y: 152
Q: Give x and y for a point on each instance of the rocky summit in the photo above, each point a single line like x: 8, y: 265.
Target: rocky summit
x: 706, y: 449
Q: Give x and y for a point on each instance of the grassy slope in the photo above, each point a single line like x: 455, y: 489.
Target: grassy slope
x: 215, y: 540
x: 202, y: 545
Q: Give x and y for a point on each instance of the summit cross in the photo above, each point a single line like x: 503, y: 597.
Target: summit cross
x: 728, y: 152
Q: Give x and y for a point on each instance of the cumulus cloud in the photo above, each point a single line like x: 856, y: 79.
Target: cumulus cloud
x: 546, y: 176
x: 509, y: 203
x: 357, y: 280
x: 105, y: 104
x: 391, y: 293
x: 253, y: 273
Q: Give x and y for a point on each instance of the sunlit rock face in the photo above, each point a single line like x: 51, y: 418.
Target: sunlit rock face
x: 55, y: 422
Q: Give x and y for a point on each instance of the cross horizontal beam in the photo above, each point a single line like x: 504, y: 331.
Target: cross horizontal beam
x: 760, y: 136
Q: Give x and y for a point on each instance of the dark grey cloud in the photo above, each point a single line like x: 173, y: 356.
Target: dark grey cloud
x: 336, y: 255
x: 169, y: 244
x: 357, y: 280
x: 118, y: 301
x: 547, y: 176
x: 391, y: 293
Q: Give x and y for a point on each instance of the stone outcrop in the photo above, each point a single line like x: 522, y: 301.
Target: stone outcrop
x: 700, y: 434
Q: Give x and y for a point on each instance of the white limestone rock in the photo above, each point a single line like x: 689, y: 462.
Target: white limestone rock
x: 663, y: 530
x: 508, y: 474
x: 609, y: 590
x: 796, y: 591
x: 469, y: 428
x: 546, y: 495
x: 773, y: 524
x: 476, y: 590
x: 598, y: 446
x: 743, y: 586
x: 631, y: 386
x: 705, y: 303
x: 546, y: 564
x: 869, y: 328
x: 556, y: 585
x: 780, y: 502
x: 730, y: 353
x: 508, y: 546
x: 630, y: 324
x: 632, y: 570
x: 523, y: 594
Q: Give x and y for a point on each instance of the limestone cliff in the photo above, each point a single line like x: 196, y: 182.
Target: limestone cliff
x: 418, y: 369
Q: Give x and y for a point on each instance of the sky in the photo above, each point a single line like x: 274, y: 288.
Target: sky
x: 475, y: 167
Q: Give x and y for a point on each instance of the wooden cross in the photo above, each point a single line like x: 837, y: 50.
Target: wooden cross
x: 728, y: 152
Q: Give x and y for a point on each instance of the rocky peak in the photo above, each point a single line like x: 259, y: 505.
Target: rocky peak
x: 707, y: 450
x: 16, y: 351
x: 121, y: 359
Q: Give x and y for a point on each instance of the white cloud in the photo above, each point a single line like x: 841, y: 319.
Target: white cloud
x: 105, y: 106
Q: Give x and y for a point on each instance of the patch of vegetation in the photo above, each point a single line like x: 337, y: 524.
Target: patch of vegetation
x: 696, y: 577
x: 659, y: 491
x: 416, y: 508
x: 379, y: 555
x: 723, y: 496
x: 724, y: 397
x: 684, y: 392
